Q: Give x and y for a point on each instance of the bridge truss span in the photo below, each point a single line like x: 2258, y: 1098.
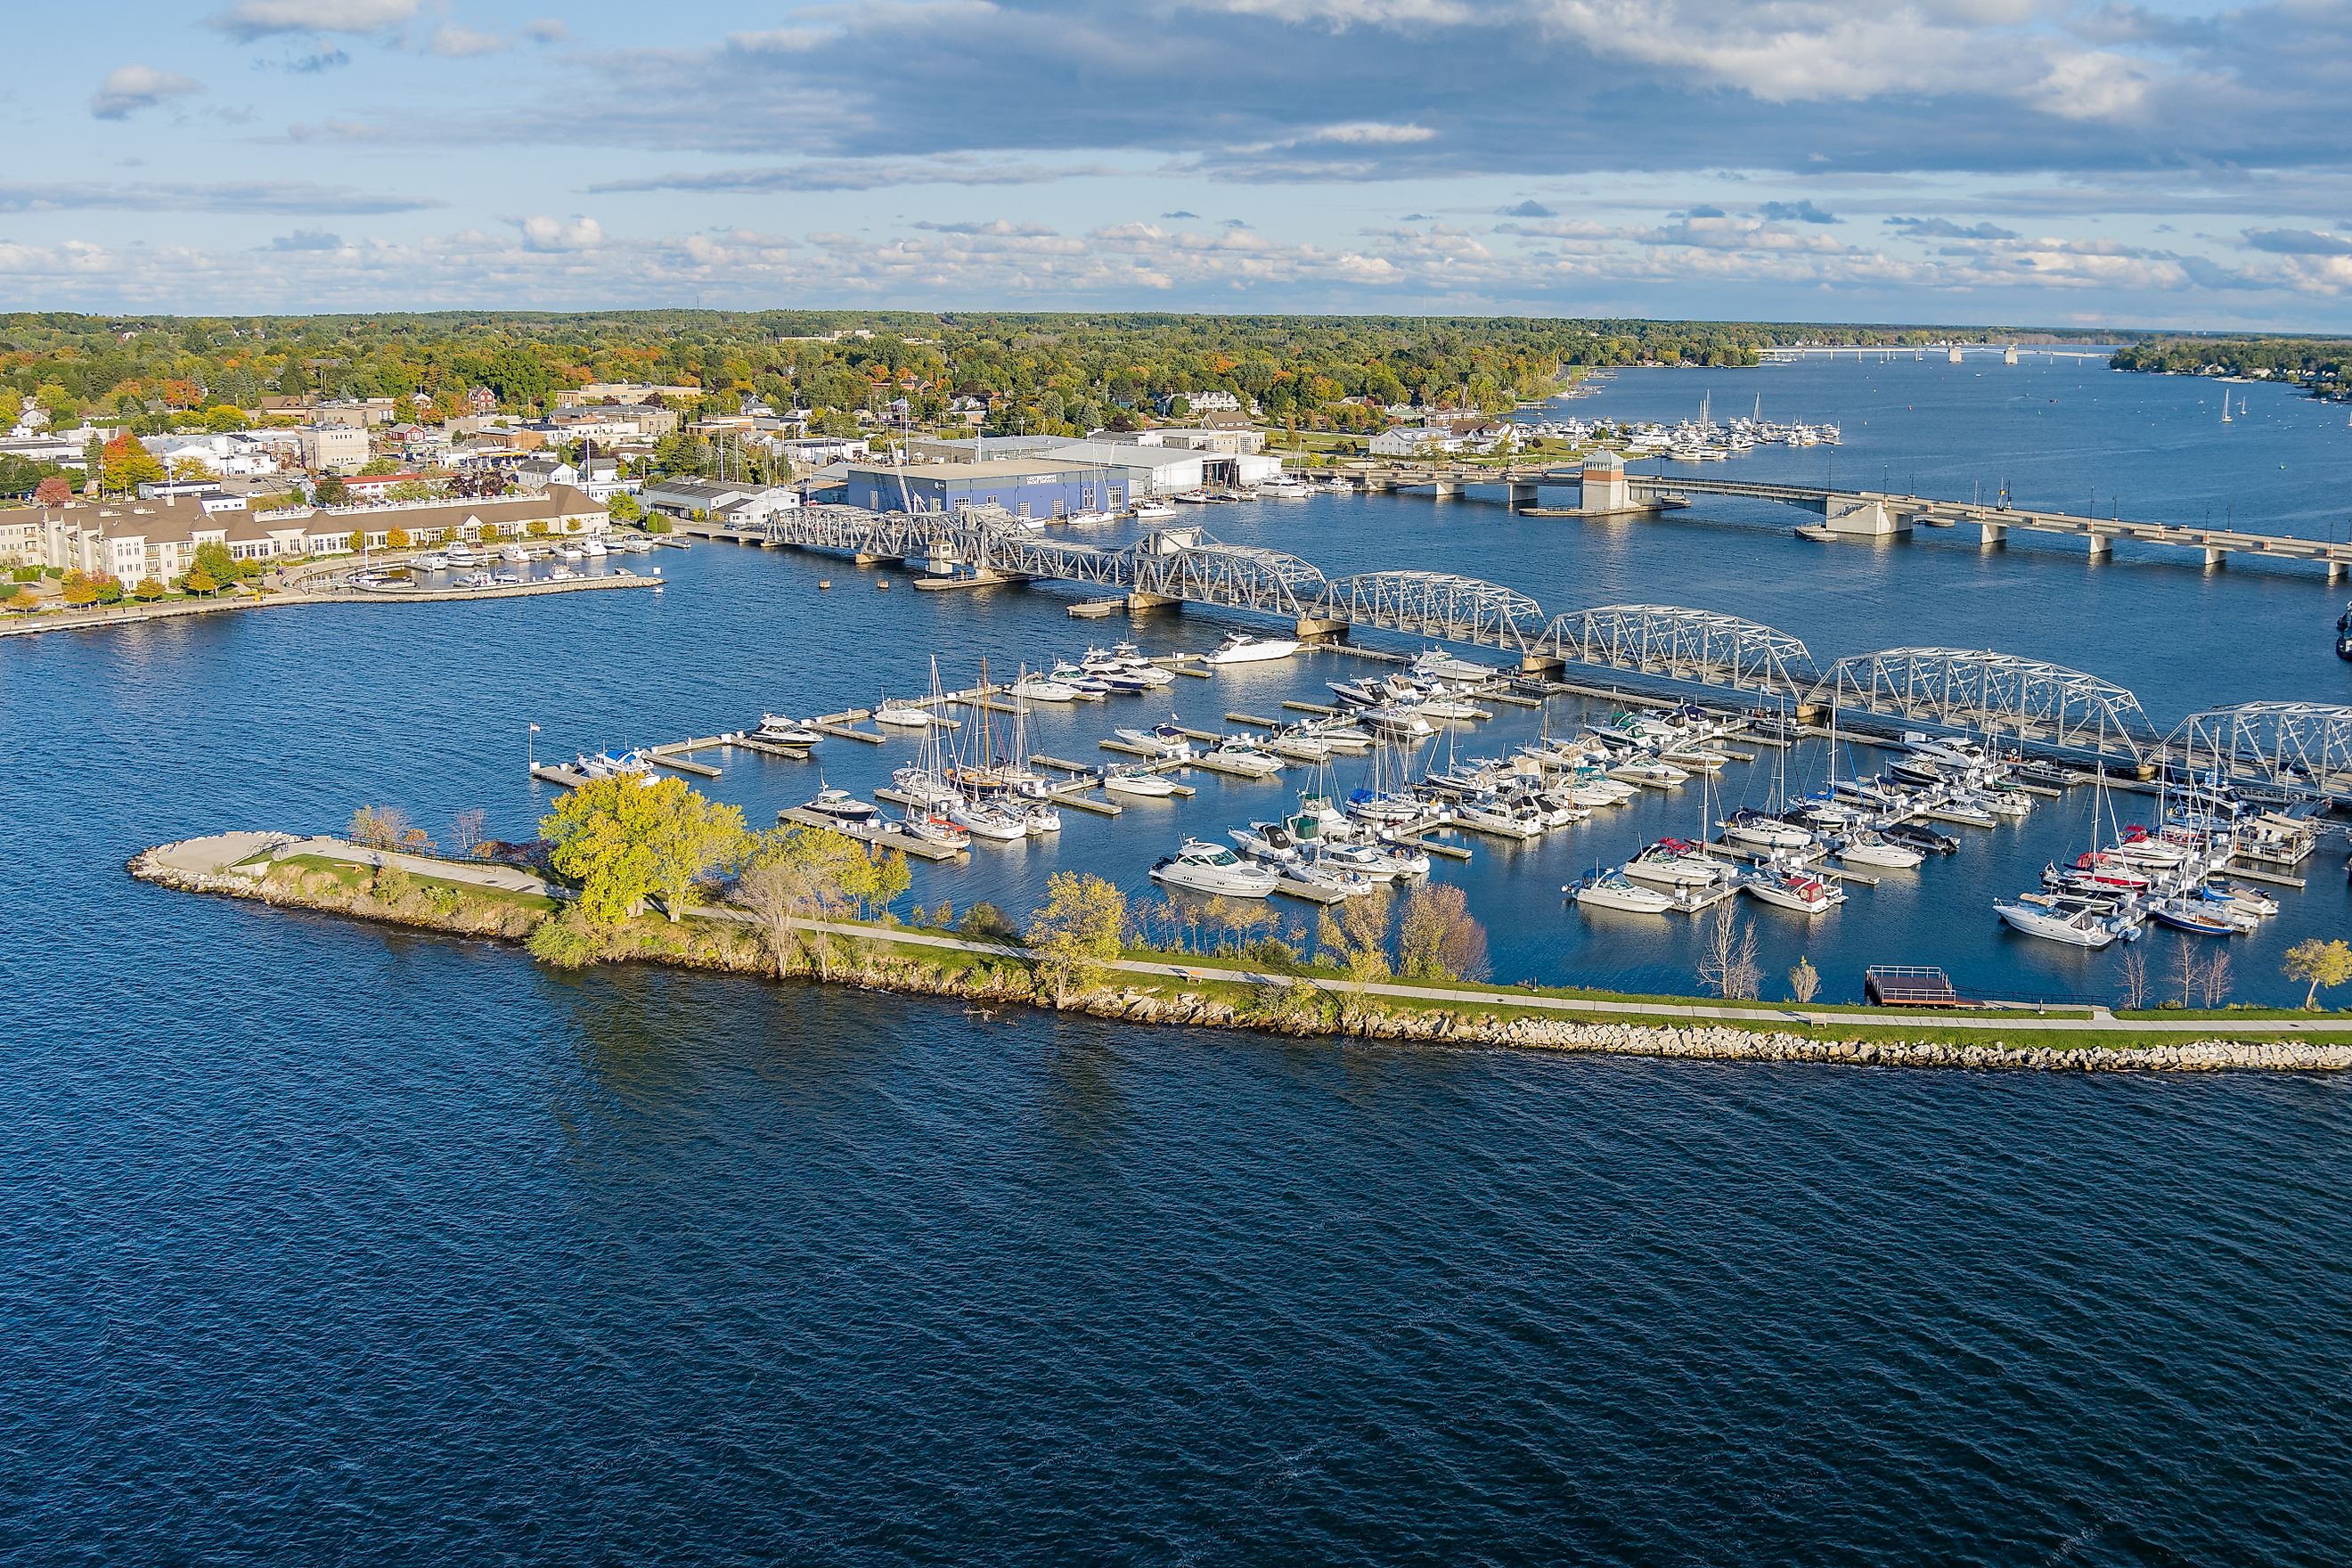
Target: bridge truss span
x: 1678, y: 644
x: 2299, y: 744
x: 1235, y: 577
x: 1434, y: 605
x: 1969, y: 689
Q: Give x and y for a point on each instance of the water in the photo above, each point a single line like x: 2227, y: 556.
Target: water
x: 327, y: 1244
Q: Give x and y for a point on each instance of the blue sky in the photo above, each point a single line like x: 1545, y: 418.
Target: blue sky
x: 2015, y: 161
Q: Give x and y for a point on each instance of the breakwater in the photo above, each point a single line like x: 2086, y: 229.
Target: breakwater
x: 1174, y: 990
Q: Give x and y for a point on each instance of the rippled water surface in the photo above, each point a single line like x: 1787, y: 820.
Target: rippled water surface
x: 322, y: 1244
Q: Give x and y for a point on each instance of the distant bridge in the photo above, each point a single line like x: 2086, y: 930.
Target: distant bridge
x: 2044, y: 706
x: 1850, y: 514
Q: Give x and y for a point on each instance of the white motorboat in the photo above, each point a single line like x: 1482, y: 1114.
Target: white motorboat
x: 1239, y: 756
x: 1436, y: 663
x: 1087, y: 687
x: 1131, y: 659
x: 1302, y: 748
x: 1151, y: 508
x: 1044, y: 688
x: 2076, y: 928
x: 573, y: 552
x: 1141, y: 785
x: 1678, y: 863
x: 1450, y: 708
x: 593, y: 548
x: 843, y: 807
x: 1381, y: 862
x: 1204, y: 867
x: 786, y: 731
x: 1243, y: 648
x: 1402, y: 723
x: 433, y: 563
x: 1043, y: 818
x: 1650, y: 772
x: 1792, y: 888
x: 1613, y: 890
x: 1161, y: 742
x: 1320, y: 879
x: 920, y: 784
x: 905, y: 715
x: 1490, y: 815
x: 1868, y: 847
x: 464, y: 556
x: 512, y: 553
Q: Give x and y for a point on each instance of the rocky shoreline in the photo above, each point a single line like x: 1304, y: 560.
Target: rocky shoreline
x: 1008, y: 983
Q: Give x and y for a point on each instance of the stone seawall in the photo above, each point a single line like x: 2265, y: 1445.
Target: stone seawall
x: 905, y: 970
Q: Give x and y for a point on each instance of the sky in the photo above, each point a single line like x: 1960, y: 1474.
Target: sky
x: 2013, y: 162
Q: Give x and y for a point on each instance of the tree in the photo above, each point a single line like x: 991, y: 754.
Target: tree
x: 1357, y: 936
x: 211, y: 558
x: 109, y: 588
x: 1436, y: 937
x: 2135, y: 978
x: 1074, y: 936
x: 379, y: 827
x: 2323, y: 966
x: 624, y: 508
x: 797, y: 874
x: 1804, y: 981
x: 149, y: 588
x: 626, y: 837
x: 466, y: 830
x: 396, y: 539
x: 55, y: 490
x: 125, y: 465
x: 199, y: 581
x: 1726, y: 963
x: 332, y: 491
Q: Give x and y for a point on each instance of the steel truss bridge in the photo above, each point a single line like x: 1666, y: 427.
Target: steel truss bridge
x: 2046, y: 707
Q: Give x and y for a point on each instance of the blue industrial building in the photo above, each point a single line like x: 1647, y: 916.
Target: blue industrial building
x: 1026, y: 486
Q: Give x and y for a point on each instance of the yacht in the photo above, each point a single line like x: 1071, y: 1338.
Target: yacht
x: 1153, y: 509
x: 1205, y: 867
x: 1402, y: 723
x: 839, y: 804
x: 1143, y: 786
x: 986, y: 819
x: 1649, y: 772
x: 1240, y: 756
x: 1087, y: 687
x: 1792, y: 888
x: 1676, y: 863
x: 1243, y: 648
x: 573, y: 552
x: 1868, y: 847
x: 2076, y: 926
x: 786, y: 731
x: 1042, y: 819
x: 1162, y: 741
x: 905, y: 715
x: 1044, y: 688
x: 1380, y: 862
x: 464, y: 556
x: 1748, y: 826
x: 593, y: 548
x: 1612, y: 889
x: 433, y: 563
x: 1131, y: 659
x: 512, y: 553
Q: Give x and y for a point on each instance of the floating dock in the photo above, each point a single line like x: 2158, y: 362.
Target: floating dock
x: 888, y: 837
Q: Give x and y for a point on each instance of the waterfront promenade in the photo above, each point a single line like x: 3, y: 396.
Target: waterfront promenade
x: 31, y: 624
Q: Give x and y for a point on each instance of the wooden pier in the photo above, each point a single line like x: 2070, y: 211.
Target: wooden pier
x: 887, y: 837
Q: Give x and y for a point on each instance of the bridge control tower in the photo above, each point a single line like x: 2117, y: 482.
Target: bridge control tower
x: 1603, y: 484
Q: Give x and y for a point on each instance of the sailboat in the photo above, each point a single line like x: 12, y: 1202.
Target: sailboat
x: 927, y: 787
x: 2225, y: 405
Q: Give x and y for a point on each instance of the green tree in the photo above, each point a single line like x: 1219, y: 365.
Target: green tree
x: 1074, y: 936
x: 109, y: 589
x: 125, y: 465
x: 626, y: 838
x: 1356, y: 935
x: 624, y: 508
x: 332, y: 491
x: 2320, y: 964
x: 794, y: 875
x: 212, y: 558
x: 149, y: 589
x: 199, y: 581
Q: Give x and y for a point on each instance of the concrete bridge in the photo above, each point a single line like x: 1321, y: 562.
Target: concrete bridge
x: 1606, y: 489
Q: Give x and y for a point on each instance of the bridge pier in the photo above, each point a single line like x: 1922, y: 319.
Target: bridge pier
x: 1602, y: 487
x: 866, y: 558
x: 1991, y: 534
x: 2102, y: 546
x: 1312, y: 630
x: 1862, y: 516
x: 1519, y: 494
x: 1139, y: 600
x: 1541, y: 664
x: 2215, y: 557
x: 2334, y: 573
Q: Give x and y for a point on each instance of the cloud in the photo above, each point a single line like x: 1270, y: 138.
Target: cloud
x: 453, y: 42
x: 2297, y: 242
x: 997, y: 227
x: 546, y: 30
x: 1181, y: 213
x: 1529, y: 209
x: 1945, y: 229
x: 854, y: 175
x: 324, y: 58
x: 130, y: 89
x: 549, y: 233
x: 307, y: 239
x: 250, y: 19
x: 1795, y: 212
x: 1368, y: 134
x: 291, y: 197
x: 1705, y: 212
x: 335, y: 131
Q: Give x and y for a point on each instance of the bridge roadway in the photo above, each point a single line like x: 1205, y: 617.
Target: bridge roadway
x: 1866, y: 514
x: 2046, y: 708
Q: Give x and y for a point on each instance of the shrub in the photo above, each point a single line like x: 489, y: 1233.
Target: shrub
x: 391, y: 886
x: 986, y: 923
x: 565, y: 942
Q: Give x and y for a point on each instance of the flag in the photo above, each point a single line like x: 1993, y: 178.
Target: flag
x: 534, y: 729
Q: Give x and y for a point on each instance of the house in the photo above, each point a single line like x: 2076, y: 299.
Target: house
x: 1230, y: 438
x: 482, y: 400
x: 358, y: 412
x: 1415, y: 441
x: 630, y: 392
x: 537, y: 473
x: 743, y: 505
x: 372, y: 487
